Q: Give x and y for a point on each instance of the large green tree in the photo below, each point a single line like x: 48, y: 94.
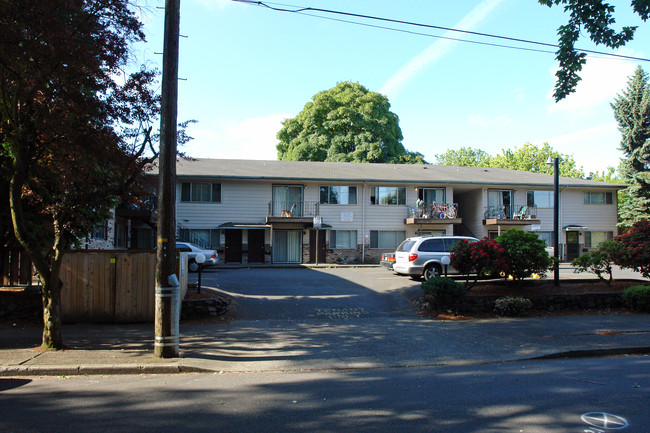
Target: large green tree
x: 594, y: 17
x: 347, y: 123
x: 528, y: 157
x: 70, y: 125
x: 632, y: 112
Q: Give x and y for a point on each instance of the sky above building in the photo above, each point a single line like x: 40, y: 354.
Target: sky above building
x: 245, y: 68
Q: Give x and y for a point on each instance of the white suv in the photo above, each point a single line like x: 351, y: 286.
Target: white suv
x: 426, y: 256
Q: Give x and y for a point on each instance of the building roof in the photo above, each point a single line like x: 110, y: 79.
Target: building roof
x: 375, y: 173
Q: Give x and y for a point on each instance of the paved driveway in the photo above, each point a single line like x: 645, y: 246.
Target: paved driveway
x: 308, y: 293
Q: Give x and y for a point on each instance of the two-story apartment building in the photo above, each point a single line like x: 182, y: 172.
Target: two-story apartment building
x: 290, y: 211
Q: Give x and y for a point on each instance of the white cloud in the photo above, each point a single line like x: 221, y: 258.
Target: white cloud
x: 252, y: 138
x: 397, y: 81
x: 484, y: 121
x: 602, y: 80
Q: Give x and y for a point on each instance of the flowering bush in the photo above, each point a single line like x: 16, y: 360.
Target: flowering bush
x: 484, y: 257
x: 511, y: 306
x: 446, y: 291
x: 635, y: 248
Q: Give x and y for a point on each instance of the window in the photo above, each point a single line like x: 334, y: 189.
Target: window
x: 343, y: 239
x: 201, y: 192
x: 205, y: 238
x: 433, y: 246
x: 499, y: 202
x: 431, y: 195
x: 390, y: 195
x: 598, y: 198
x: 386, y: 239
x: 543, y: 199
x: 338, y: 194
x: 100, y: 231
x: 593, y: 239
x: 547, y: 237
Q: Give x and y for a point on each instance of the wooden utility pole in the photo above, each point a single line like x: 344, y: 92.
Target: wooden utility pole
x: 166, y: 343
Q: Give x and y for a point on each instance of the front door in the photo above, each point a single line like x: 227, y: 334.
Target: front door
x: 233, y: 253
x: 322, y: 251
x: 572, y: 246
x: 255, y: 246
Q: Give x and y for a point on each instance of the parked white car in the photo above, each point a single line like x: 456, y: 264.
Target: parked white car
x: 211, y: 256
x: 426, y: 256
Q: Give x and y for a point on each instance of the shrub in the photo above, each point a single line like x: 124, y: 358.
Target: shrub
x: 635, y: 248
x: 512, y: 307
x: 637, y: 298
x: 446, y: 291
x: 599, y: 261
x: 484, y: 257
x: 525, y: 253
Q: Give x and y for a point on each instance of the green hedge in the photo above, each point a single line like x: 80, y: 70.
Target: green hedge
x: 637, y: 298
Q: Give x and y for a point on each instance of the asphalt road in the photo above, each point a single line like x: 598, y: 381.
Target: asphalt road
x: 586, y: 395
x: 307, y: 293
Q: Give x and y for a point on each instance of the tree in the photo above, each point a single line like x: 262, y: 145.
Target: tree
x: 525, y: 158
x: 599, y: 261
x: 464, y: 157
x: 632, y: 112
x: 72, y: 136
x: 634, y: 244
x: 596, y: 18
x: 347, y: 123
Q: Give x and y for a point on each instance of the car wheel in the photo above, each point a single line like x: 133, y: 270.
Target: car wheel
x: 194, y: 267
x: 431, y: 271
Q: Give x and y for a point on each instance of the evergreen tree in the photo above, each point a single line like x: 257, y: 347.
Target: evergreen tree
x: 632, y: 112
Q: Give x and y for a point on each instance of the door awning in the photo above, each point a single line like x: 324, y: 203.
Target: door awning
x: 574, y: 228
x: 252, y: 226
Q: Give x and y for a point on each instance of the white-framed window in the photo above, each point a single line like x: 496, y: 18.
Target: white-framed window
x: 547, y: 237
x: 388, y: 195
x: 343, y: 239
x: 431, y: 195
x: 541, y: 199
x: 386, y: 239
x: 202, y: 192
x: 335, y: 194
x: 595, y: 238
x: 598, y: 198
x: 100, y: 231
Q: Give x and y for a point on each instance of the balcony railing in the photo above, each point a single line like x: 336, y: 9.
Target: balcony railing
x: 510, y: 212
x: 293, y: 209
x: 433, y: 210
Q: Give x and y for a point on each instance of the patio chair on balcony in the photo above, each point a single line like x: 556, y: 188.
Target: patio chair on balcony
x: 521, y: 214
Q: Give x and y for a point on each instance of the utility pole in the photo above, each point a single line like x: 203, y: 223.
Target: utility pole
x: 166, y: 344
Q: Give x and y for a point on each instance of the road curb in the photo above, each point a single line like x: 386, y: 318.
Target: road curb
x: 99, y: 370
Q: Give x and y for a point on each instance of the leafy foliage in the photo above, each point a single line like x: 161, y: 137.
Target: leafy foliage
x: 446, y: 291
x: 347, y: 123
x: 71, y: 125
x: 525, y: 253
x: 634, y: 244
x: 637, y: 298
x: 528, y: 157
x: 632, y: 112
x: 596, y: 18
x: 484, y: 257
x: 599, y: 261
x: 510, y: 306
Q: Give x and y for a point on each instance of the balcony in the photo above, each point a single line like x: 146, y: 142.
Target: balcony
x: 432, y: 214
x: 510, y: 215
x: 292, y: 212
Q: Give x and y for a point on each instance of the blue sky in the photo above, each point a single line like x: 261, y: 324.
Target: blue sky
x: 246, y: 68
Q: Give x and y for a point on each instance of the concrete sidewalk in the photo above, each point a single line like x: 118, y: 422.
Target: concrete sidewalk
x: 323, y: 344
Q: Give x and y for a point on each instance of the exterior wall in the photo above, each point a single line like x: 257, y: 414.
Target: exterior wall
x: 247, y: 201
x: 90, y: 243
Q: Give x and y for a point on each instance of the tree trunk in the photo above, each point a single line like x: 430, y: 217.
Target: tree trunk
x: 51, y: 296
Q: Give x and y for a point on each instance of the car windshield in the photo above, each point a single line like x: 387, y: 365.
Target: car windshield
x: 406, y: 245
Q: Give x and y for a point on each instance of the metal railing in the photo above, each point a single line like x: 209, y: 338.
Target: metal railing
x: 295, y: 209
x: 184, y: 234
x: 433, y: 210
x: 508, y: 212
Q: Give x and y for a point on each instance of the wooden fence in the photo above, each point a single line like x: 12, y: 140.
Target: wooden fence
x: 111, y: 286
x: 15, y: 268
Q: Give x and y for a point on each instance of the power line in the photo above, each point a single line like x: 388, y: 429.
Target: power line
x: 304, y: 10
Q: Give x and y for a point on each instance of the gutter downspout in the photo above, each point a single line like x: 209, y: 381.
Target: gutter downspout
x: 363, y: 222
